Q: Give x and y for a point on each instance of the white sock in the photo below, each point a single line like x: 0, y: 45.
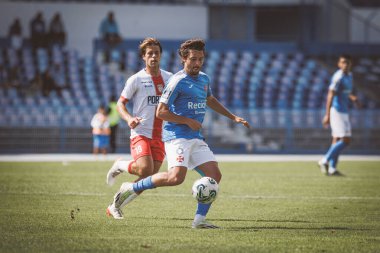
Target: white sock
x: 199, y: 218
x: 323, y: 161
x: 332, y: 170
x: 123, y: 165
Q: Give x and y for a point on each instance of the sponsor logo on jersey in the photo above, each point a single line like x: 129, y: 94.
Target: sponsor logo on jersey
x: 160, y: 87
x: 180, y: 159
x: 179, y: 151
x: 153, y: 100
x: 192, y: 105
x: 147, y: 84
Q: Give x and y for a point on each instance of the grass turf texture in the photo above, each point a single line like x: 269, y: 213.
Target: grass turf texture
x: 262, y: 207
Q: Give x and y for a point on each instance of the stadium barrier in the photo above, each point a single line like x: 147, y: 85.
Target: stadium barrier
x: 273, y: 131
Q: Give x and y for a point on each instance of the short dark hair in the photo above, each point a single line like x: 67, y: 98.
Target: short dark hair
x: 192, y: 44
x: 346, y: 57
x: 148, y: 42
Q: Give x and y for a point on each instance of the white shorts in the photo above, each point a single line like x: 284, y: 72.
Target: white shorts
x: 340, y: 124
x: 187, y: 153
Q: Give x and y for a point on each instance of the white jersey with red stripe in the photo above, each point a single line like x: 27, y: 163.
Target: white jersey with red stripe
x: 145, y: 92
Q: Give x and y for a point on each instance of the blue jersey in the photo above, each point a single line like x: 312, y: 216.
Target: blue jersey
x: 341, y: 83
x: 185, y: 96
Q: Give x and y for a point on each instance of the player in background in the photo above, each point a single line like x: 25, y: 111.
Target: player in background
x: 338, y: 97
x: 100, y: 131
x: 147, y: 149
x: 183, y: 105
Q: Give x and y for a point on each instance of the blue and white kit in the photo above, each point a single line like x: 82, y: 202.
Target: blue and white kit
x: 342, y: 85
x: 186, y: 96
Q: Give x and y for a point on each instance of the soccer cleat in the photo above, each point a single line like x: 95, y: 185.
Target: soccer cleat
x: 203, y: 225
x: 113, y: 172
x: 125, y: 195
x: 324, y: 167
x: 116, y: 213
x: 335, y: 173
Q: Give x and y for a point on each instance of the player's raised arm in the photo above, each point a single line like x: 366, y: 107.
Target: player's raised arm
x: 164, y: 113
x: 214, y: 104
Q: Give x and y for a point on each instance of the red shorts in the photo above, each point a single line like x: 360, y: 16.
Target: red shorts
x: 143, y: 146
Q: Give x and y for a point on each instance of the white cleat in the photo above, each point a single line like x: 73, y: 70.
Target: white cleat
x: 203, y: 225
x: 116, y: 213
x: 125, y: 195
x: 334, y: 172
x: 323, y: 166
x: 113, y: 172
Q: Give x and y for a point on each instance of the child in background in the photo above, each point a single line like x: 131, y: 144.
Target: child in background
x: 101, y: 131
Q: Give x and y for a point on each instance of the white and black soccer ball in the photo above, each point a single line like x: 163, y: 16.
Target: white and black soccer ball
x: 205, y: 190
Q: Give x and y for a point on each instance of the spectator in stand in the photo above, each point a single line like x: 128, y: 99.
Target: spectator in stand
x: 15, y: 36
x: 109, y: 33
x: 4, y: 79
x: 49, y: 84
x: 14, y: 80
x: 114, y: 119
x: 57, y: 34
x: 58, y: 74
x: 100, y: 131
x: 38, y: 31
x: 35, y: 84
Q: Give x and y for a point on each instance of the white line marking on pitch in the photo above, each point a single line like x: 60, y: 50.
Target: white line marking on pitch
x: 188, y: 196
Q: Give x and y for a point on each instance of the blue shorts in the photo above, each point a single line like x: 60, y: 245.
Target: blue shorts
x: 101, y: 141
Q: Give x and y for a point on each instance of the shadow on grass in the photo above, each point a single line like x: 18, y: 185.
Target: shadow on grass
x: 258, y: 228
x: 232, y: 220
x: 331, y: 229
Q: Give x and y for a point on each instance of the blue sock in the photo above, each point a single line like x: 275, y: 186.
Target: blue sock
x: 143, y: 184
x: 335, y: 150
x: 202, y: 209
x: 334, y: 161
x: 200, y: 172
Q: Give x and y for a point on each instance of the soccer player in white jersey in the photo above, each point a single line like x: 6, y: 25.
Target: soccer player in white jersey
x: 147, y: 148
x: 183, y: 106
x: 338, y: 97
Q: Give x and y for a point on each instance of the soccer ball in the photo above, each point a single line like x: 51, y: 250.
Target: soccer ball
x: 205, y: 190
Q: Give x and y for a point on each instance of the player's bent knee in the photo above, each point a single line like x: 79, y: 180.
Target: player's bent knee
x: 145, y: 171
x: 347, y: 140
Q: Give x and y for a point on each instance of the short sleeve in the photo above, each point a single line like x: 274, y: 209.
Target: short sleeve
x: 335, y: 82
x: 170, y: 92
x: 129, y: 88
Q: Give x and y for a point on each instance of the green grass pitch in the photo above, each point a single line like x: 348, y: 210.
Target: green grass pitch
x: 262, y: 207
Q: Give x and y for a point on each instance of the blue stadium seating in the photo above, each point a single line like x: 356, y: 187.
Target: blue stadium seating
x: 240, y: 79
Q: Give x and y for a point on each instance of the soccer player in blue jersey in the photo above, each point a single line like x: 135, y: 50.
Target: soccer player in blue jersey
x: 183, y: 106
x: 338, y: 97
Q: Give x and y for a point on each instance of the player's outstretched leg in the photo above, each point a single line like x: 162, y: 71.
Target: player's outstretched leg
x: 332, y: 167
x: 124, y: 196
x: 129, y: 191
x: 116, y: 213
x: 200, y: 217
x: 331, y: 157
x: 118, y: 167
x: 323, y: 166
x: 208, y: 169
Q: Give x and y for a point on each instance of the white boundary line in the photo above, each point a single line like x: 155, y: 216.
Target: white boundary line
x: 221, y: 158
x: 176, y: 195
